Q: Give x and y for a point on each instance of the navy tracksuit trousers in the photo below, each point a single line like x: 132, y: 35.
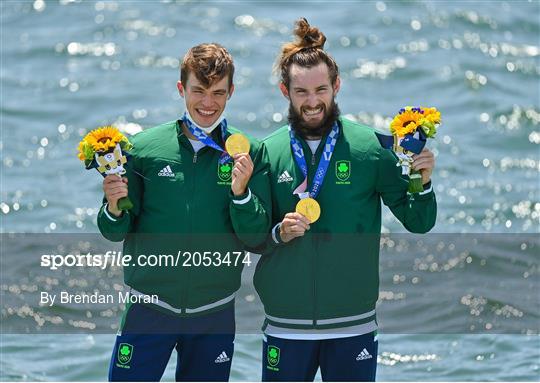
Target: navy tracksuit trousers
x: 204, y: 344
x: 351, y: 359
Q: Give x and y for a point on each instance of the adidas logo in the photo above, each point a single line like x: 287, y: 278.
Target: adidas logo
x: 166, y: 172
x: 284, y: 177
x: 364, y: 355
x: 222, y: 358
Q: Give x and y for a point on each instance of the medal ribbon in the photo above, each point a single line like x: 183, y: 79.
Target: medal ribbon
x: 300, y: 160
x: 207, y: 140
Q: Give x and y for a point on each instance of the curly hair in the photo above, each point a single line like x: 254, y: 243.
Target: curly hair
x: 209, y: 63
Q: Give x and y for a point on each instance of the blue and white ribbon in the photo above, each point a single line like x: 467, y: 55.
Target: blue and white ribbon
x: 207, y: 140
x: 300, y: 160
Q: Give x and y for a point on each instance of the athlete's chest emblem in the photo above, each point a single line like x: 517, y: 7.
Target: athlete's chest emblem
x: 343, y: 172
x: 224, y: 173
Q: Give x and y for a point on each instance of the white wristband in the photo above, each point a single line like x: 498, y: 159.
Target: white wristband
x: 106, y: 210
x: 243, y: 201
x: 427, y: 190
x: 275, y: 229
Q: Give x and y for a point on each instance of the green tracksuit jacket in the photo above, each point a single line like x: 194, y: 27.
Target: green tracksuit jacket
x: 329, y: 277
x: 183, y: 202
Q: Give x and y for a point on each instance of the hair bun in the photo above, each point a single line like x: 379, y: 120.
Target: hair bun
x: 308, y: 36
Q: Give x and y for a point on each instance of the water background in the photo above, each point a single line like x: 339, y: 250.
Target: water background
x: 68, y: 67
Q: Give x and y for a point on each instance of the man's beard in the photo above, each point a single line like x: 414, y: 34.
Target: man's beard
x: 304, y: 130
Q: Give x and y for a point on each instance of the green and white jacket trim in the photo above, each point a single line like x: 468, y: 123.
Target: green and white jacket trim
x: 176, y: 310
x: 310, y: 322
x: 109, y: 216
x: 313, y: 334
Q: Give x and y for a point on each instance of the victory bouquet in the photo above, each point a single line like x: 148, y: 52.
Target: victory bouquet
x: 106, y: 150
x: 410, y: 129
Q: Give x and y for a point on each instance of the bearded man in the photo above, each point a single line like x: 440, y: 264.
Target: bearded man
x: 319, y: 279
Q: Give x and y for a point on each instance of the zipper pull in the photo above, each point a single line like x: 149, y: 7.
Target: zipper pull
x: 195, y: 158
x: 313, y: 159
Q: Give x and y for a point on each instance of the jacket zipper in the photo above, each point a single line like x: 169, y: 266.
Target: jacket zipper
x: 190, y: 218
x: 313, y: 238
x: 314, y: 266
x: 314, y: 257
x: 314, y: 285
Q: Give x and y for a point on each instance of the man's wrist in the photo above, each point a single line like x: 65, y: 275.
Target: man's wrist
x: 111, y: 212
x: 240, y: 192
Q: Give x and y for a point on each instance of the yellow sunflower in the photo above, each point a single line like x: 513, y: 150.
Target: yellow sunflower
x: 103, y: 139
x: 407, y: 121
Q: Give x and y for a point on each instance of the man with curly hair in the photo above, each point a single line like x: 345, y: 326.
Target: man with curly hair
x: 188, y: 194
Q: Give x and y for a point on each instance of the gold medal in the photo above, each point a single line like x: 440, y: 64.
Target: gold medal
x: 236, y: 143
x: 309, y: 208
